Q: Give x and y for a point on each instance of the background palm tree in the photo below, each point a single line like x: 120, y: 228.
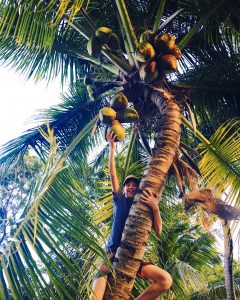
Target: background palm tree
x: 38, y: 38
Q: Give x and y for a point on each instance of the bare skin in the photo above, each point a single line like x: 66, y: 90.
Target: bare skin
x: 161, y: 280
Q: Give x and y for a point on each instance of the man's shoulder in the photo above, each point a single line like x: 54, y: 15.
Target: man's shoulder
x: 118, y: 196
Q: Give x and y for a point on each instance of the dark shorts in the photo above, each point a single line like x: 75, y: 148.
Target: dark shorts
x: 104, y: 269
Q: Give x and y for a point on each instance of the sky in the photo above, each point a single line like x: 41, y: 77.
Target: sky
x: 21, y: 99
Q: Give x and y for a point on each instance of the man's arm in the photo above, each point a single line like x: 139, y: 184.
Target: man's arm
x: 111, y: 165
x: 151, y: 200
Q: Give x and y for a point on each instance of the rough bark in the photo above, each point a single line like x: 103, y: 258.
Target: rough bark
x: 139, y: 223
x: 228, y: 259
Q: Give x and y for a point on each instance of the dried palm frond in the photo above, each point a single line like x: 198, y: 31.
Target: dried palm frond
x: 207, y: 200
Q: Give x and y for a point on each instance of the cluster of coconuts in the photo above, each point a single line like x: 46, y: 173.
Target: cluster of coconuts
x: 159, y: 54
x: 116, y: 114
x: 103, y: 37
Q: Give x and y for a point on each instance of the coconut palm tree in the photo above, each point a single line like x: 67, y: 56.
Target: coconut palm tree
x: 42, y: 38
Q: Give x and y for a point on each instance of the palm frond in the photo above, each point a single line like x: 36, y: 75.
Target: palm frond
x: 34, y: 23
x: 214, y: 91
x: 215, y: 291
x: 220, y: 166
x: 46, y: 240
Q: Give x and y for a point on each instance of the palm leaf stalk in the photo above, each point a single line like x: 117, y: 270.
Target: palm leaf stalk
x: 128, y: 29
x: 159, y: 14
x: 129, y: 152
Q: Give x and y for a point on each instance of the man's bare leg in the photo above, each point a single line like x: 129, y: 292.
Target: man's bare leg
x: 161, y: 282
x: 98, y: 289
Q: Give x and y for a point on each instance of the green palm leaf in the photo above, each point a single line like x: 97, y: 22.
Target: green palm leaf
x: 220, y: 165
x: 54, y: 238
x: 35, y: 23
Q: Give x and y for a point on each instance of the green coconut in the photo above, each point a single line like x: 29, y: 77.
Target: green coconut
x: 107, y: 115
x: 118, y: 130
x: 145, y: 52
x: 119, y: 101
x: 127, y: 115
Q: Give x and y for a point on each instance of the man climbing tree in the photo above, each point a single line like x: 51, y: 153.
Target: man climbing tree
x: 123, y: 199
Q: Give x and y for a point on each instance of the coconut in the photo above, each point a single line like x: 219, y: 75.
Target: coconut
x: 167, y: 63
x: 148, y: 72
x: 103, y: 34
x: 164, y: 44
x: 145, y: 52
x: 119, y: 101
x: 176, y: 52
x: 127, y: 115
x: 107, y: 115
x: 118, y: 130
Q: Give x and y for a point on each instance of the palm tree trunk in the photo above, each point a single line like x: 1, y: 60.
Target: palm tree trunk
x: 228, y: 259
x: 139, y: 223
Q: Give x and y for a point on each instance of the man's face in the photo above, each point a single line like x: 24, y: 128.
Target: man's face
x: 130, y: 188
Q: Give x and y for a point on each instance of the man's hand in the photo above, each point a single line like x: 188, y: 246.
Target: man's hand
x: 110, y: 138
x: 150, y: 199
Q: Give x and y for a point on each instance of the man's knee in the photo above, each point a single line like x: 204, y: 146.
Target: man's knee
x: 165, y: 282
x: 160, y: 277
x: 98, y: 288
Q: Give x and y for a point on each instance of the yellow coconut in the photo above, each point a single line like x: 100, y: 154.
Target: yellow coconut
x: 127, y: 115
x: 118, y: 129
x: 176, y: 52
x: 164, y: 44
x: 107, y: 115
x: 167, y: 63
x: 145, y: 52
x: 119, y: 101
x: 103, y: 34
x: 94, y: 46
x: 148, y: 72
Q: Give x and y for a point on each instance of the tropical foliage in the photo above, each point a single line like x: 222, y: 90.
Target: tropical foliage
x: 45, y: 38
